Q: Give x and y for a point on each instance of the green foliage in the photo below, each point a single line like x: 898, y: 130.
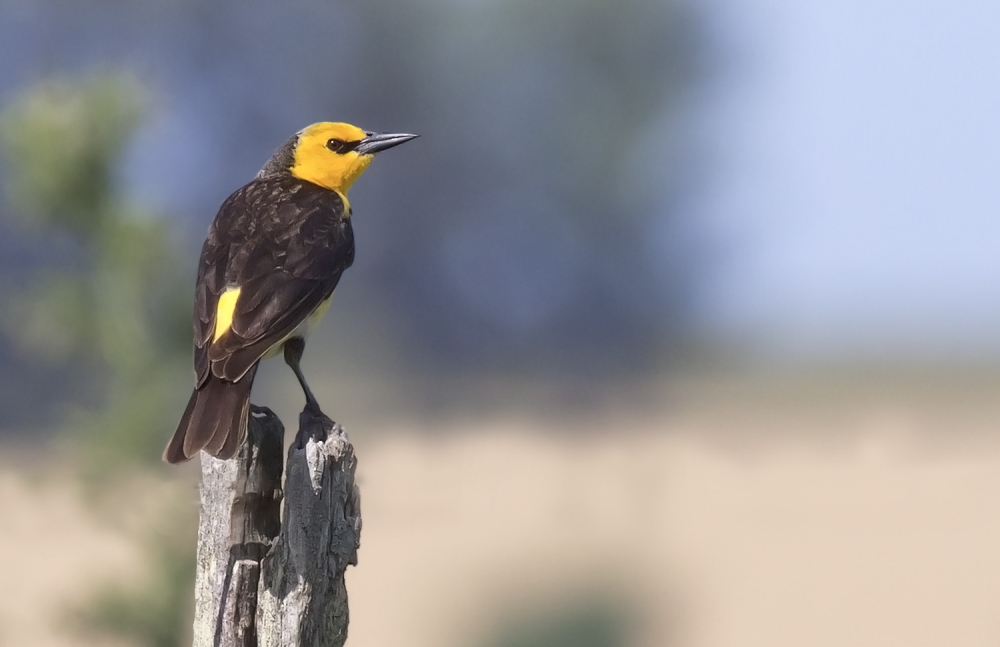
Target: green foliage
x: 585, y: 623
x: 62, y: 140
x: 110, y: 311
x: 114, y: 310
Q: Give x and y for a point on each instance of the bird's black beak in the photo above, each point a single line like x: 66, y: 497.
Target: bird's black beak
x: 375, y: 142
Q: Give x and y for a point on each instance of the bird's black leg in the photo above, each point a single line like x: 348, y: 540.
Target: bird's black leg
x: 293, y: 355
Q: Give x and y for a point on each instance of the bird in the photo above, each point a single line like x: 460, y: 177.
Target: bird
x: 267, y: 272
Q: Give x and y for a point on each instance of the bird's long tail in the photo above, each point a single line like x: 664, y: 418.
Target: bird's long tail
x: 215, y: 420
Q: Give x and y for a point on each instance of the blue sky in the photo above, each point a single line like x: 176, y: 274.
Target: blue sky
x: 854, y: 149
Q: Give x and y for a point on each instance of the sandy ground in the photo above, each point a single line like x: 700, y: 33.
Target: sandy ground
x: 53, y: 549
x: 877, y: 526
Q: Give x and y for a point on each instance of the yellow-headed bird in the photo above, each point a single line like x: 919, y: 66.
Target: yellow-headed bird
x: 273, y: 256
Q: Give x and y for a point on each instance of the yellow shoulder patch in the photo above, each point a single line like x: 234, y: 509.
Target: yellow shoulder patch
x: 224, y: 311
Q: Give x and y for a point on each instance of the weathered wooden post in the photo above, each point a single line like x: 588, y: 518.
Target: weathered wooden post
x: 277, y: 582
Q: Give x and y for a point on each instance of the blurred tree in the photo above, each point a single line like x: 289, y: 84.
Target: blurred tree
x: 107, y: 305
x: 531, y: 229
x: 104, y: 302
x: 521, y: 242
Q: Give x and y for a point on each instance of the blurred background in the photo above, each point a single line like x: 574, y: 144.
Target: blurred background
x: 677, y: 326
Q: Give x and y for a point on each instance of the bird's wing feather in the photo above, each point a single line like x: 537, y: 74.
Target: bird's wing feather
x: 288, y: 302
x: 284, y: 272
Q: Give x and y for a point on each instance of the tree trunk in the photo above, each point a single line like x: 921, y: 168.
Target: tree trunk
x: 276, y: 582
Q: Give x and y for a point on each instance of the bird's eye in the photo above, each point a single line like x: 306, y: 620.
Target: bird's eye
x: 337, y: 145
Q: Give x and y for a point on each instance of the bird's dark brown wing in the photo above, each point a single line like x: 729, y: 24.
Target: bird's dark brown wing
x: 284, y: 243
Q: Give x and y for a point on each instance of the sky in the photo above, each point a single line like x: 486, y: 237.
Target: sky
x: 853, y: 148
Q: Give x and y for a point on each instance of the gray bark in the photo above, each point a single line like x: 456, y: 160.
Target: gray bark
x: 270, y: 583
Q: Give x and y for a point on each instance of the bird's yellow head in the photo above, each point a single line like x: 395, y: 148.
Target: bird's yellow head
x: 333, y: 155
